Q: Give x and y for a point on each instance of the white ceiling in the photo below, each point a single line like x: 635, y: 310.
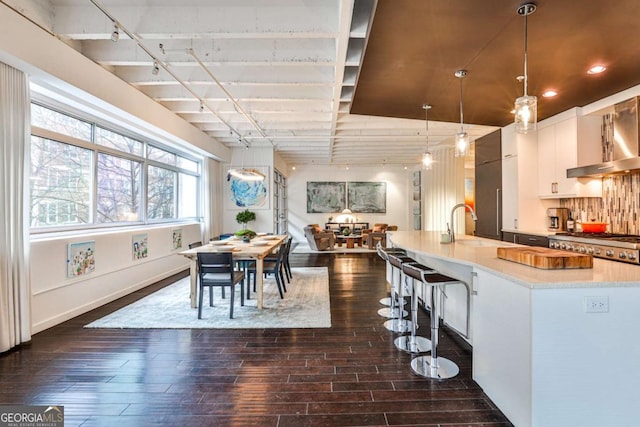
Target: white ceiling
x: 278, y: 73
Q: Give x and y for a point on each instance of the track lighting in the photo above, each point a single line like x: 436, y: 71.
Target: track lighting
x: 201, y: 106
x: 115, y: 36
x: 156, y: 69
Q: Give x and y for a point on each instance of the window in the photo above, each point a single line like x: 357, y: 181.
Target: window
x: 83, y: 174
x: 162, y: 187
x: 119, y: 183
x: 50, y: 195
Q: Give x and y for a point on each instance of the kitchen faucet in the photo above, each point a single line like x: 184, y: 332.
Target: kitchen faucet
x: 473, y: 217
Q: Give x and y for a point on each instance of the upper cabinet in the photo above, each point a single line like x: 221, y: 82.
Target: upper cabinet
x: 566, y: 142
x: 521, y: 206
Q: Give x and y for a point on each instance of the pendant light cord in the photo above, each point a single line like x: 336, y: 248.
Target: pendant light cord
x: 525, y: 54
x: 461, y: 114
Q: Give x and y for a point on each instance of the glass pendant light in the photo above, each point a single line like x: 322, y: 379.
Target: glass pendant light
x: 246, y: 174
x: 462, y: 138
x: 427, y: 157
x: 526, y: 111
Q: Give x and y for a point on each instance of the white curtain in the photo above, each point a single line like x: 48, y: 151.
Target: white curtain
x: 15, y: 286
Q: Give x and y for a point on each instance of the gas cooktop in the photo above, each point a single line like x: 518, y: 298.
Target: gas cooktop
x: 619, y: 247
x: 626, y: 238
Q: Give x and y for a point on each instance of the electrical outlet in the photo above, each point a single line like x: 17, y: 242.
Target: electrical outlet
x: 596, y: 304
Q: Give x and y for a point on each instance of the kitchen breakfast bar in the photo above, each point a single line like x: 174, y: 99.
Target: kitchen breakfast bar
x: 550, y: 347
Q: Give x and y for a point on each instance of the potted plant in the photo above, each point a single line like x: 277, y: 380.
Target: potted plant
x: 243, y: 218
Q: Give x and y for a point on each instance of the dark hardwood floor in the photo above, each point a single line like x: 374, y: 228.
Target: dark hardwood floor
x: 348, y: 375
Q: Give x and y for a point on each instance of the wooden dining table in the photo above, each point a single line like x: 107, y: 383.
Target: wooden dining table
x: 257, y: 249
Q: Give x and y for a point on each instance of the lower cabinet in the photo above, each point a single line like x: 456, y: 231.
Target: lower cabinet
x: 525, y: 239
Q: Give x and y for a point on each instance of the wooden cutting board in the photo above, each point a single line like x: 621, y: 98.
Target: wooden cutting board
x: 545, y: 258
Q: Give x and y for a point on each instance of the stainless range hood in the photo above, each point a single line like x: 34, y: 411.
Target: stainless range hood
x: 624, y: 149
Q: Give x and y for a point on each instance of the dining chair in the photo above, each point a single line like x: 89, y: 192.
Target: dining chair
x: 215, y: 269
x: 284, y: 264
x: 271, y: 267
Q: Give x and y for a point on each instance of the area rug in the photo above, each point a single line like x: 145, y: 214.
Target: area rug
x: 305, y: 305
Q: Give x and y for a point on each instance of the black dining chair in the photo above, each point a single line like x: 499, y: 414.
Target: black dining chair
x: 215, y: 269
x: 284, y: 264
x: 271, y: 266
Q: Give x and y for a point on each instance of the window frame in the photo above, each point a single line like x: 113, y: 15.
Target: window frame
x: 144, y: 161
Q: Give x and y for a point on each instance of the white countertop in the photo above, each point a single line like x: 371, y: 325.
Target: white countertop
x: 541, y: 232
x: 480, y: 252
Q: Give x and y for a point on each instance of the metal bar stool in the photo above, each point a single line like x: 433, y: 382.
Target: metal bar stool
x: 414, y: 343
x: 433, y: 366
x: 399, y: 324
x: 393, y: 305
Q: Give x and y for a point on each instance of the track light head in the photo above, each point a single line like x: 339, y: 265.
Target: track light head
x: 156, y: 69
x: 115, y: 36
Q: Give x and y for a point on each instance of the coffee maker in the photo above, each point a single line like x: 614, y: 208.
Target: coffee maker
x: 557, y: 219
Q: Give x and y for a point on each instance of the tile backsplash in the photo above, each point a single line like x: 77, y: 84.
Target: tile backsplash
x: 619, y: 205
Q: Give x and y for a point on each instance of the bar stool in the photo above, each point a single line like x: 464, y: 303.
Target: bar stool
x: 433, y: 366
x: 393, y: 305
x: 398, y: 324
x: 414, y: 343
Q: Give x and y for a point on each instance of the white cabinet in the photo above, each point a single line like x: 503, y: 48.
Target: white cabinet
x: 521, y: 207
x: 564, y: 143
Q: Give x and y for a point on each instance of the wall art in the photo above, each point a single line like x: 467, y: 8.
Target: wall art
x: 81, y: 258
x: 248, y: 194
x: 326, y: 196
x: 140, y: 246
x: 367, y: 197
x: 176, y: 239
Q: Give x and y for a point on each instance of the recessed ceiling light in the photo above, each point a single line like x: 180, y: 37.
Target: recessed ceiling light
x: 549, y: 93
x: 596, y: 69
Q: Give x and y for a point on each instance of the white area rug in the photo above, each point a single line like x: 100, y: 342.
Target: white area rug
x: 305, y: 305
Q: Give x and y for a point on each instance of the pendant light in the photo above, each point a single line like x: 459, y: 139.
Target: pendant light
x: 462, y: 138
x: 427, y: 157
x: 526, y: 110
x: 246, y: 174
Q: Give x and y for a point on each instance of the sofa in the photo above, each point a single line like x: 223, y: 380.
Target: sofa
x: 319, y: 239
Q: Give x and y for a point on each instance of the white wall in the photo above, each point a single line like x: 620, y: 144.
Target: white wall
x: 57, y: 298
x: 399, y: 189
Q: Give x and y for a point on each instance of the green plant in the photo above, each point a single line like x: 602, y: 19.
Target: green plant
x: 244, y: 217
x: 346, y: 231
x: 245, y: 232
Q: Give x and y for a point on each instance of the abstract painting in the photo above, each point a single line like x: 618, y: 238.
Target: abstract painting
x: 248, y: 194
x: 326, y: 196
x: 367, y: 197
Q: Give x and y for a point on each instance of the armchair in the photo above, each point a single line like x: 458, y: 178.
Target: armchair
x: 376, y: 237
x: 319, y: 240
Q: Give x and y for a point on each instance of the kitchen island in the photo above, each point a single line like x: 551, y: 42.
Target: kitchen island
x: 550, y: 347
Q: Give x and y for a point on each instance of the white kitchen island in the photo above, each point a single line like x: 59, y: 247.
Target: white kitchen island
x: 537, y: 353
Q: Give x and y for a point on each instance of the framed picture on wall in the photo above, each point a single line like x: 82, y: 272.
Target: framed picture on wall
x: 367, y: 197
x: 326, y: 196
x: 140, y: 246
x: 81, y: 258
x: 176, y: 239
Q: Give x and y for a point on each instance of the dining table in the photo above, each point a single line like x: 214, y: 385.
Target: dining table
x: 257, y: 249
